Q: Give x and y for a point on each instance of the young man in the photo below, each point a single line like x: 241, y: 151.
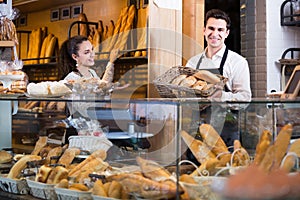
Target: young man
x: 218, y: 59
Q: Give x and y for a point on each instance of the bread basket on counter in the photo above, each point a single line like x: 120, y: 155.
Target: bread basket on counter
x: 15, y: 186
x: 167, y: 89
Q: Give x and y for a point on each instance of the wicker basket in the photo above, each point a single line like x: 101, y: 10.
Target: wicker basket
x: 89, y: 143
x: 168, y: 90
x: 13, y: 185
x: 67, y: 194
x: 42, y: 190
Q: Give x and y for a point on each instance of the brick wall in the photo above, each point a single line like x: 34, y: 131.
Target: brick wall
x: 263, y: 40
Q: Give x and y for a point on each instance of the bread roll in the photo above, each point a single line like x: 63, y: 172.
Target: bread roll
x: 188, y: 82
x: 64, y: 183
x: 207, y: 76
x: 115, y: 190
x: 79, y: 186
x: 5, y: 157
x: 43, y: 174
x: 199, y: 85
x: 57, y: 174
x: 98, y: 189
x: 178, y: 79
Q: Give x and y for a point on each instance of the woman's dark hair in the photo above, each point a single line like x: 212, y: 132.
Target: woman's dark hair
x: 218, y: 14
x: 66, y: 63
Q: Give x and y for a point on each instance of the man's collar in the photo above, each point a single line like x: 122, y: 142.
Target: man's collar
x: 220, y: 53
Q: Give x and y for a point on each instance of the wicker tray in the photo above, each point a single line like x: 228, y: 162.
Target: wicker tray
x: 42, y: 190
x: 168, y: 90
x: 13, y: 185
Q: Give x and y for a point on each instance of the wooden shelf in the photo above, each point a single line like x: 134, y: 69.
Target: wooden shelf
x: 7, y: 43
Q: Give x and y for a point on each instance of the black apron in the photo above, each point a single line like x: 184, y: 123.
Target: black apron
x: 229, y: 132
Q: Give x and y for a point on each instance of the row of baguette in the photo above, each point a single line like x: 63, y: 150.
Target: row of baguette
x: 153, y: 181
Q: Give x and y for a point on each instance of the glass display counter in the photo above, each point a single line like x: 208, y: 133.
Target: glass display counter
x: 158, y: 125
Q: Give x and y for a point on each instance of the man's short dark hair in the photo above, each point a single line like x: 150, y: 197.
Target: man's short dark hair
x: 218, y: 14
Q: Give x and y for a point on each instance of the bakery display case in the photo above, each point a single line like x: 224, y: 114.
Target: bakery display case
x: 175, y: 137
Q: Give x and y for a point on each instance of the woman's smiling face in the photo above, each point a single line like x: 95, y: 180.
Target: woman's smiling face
x: 85, y: 55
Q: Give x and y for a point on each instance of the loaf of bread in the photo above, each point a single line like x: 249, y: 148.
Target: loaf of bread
x: 68, y: 156
x: 211, y: 137
x: 199, y: 149
x: 281, y: 144
x: 262, y: 146
x: 98, y: 189
x: 152, y: 169
x: 145, y: 187
x: 39, y: 145
x: 178, y: 79
x: 207, y: 76
x: 43, y: 173
x: 188, y: 82
x: 21, y: 164
x: 57, y: 174
x: 5, y: 157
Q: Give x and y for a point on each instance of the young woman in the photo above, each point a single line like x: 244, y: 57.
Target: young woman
x: 77, y: 57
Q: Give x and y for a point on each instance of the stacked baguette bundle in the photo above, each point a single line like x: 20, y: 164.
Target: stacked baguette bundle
x: 41, y: 45
x: 8, y: 30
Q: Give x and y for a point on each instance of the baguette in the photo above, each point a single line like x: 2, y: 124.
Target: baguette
x: 145, y: 187
x: 40, y: 144
x: 153, y: 170
x: 212, y: 139
x: 50, y: 49
x: 99, y: 154
x: 84, y: 28
x: 44, y: 47
x: 20, y: 165
x: 199, y: 149
x: 290, y: 160
x: 281, y: 144
x: 57, y: 151
x: 68, y: 156
x: 207, y: 76
x: 262, y: 146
